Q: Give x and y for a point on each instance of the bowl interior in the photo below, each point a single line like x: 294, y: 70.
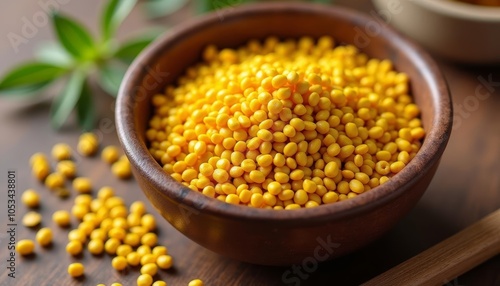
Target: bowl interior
x: 169, y: 56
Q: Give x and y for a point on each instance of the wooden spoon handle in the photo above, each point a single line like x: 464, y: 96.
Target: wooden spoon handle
x: 449, y: 258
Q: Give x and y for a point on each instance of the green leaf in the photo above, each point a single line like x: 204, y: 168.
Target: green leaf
x: 114, y: 13
x: 110, y: 78
x: 66, y: 101
x: 213, y: 5
x: 158, y: 8
x: 85, y: 109
x: 129, y: 50
x: 74, y: 37
x: 29, y: 77
x: 53, y: 53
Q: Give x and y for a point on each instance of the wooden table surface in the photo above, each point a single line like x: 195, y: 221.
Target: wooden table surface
x: 465, y: 188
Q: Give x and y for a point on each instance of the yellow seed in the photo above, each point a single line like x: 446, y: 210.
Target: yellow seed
x: 121, y: 169
x: 110, y: 154
x: 54, y: 180
x: 196, y: 282
x: 148, y: 221
x: 143, y: 250
x: 31, y: 219
x: 105, y: 193
x: 119, y: 263
x: 61, y: 152
x: 76, y: 269
x: 95, y: 246
x: 82, y: 185
x: 30, y: 198
x: 159, y: 283
x: 279, y: 126
x: 356, y: 186
x: 38, y: 157
x: 123, y: 250
x: 79, y: 211
x: 77, y: 234
x: 149, y: 268
x: 159, y: 250
x: 40, y: 170
x: 144, y: 280
x: 88, y: 144
x: 67, y: 168
x: 164, y: 261
x: 111, y: 245
x: 148, y: 258
x: 74, y: 247
x: 133, y: 258
x: 25, y: 246
x: 44, y: 236
x: 61, y: 218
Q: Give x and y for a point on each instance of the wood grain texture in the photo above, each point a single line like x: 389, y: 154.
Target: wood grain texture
x: 449, y: 258
x: 465, y: 189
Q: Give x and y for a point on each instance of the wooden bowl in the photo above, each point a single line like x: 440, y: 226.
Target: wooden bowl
x: 447, y: 23
x: 273, y: 237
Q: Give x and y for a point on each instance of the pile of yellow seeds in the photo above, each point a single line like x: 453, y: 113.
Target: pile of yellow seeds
x: 105, y: 222
x: 285, y: 124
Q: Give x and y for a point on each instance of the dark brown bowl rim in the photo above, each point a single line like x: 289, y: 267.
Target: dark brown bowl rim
x: 146, y: 166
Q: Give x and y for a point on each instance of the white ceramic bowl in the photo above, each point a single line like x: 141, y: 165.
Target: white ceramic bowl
x: 458, y: 31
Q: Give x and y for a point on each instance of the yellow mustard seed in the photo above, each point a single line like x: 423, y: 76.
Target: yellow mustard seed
x: 40, y: 170
x: 77, y: 234
x: 159, y: 283
x: 88, y: 144
x: 98, y: 234
x: 44, y: 236
x: 144, y: 280
x: 30, y: 198
x: 80, y: 210
x: 143, y: 250
x: 54, y: 180
x: 133, y: 259
x: 32, y: 219
x: 150, y: 239
x: 67, y: 168
x: 159, y: 250
x: 138, y: 208
x: 116, y: 284
x: 105, y: 193
x: 25, y: 246
x: 148, y: 221
x: 76, y: 269
x: 95, y: 246
x: 37, y: 157
x: 298, y: 131
x: 149, y: 268
x: 123, y: 250
x: 121, y: 169
x: 119, y: 263
x: 61, y: 151
x: 110, y: 154
x: 196, y: 282
x: 132, y: 239
x: 148, y: 258
x: 164, y: 261
x: 61, y: 218
x: 111, y: 245
x: 74, y: 247
x: 82, y: 185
